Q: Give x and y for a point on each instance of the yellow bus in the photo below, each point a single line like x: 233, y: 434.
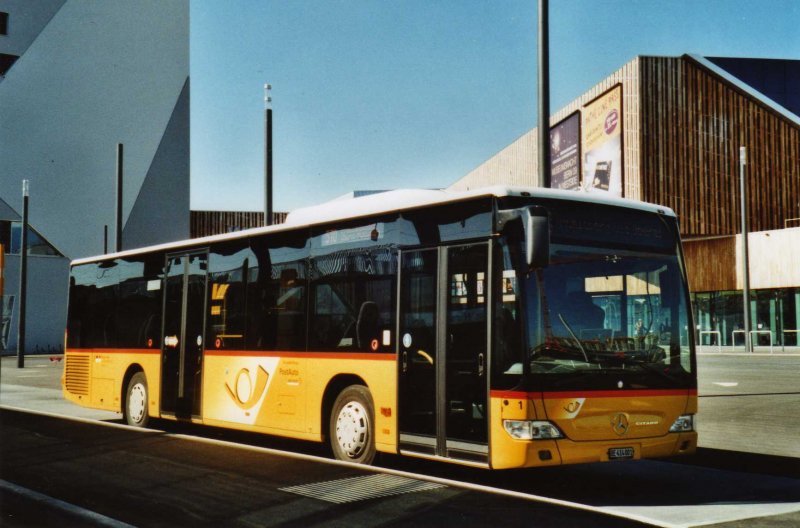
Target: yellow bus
x: 499, y: 328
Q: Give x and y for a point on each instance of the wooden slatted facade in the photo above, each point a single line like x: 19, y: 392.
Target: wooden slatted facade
x: 695, y: 122
x: 682, y: 128
x: 711, y: 263
x: 683, y: 124
x: 205, y: 223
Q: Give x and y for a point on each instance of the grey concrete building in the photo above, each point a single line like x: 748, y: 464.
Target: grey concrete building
x: 77, y: 78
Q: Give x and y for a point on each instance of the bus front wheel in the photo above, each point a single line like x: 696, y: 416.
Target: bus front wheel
x: 135, y: 408
x: 352, y: 429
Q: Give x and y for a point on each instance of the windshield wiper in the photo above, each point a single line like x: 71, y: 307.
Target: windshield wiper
x: 569, y: 329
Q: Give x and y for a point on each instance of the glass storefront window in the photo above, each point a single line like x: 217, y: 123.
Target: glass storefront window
x: 776, y: 311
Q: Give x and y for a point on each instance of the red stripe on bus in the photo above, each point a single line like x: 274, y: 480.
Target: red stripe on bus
x: 514, y: 395
x: 303, y: 355
x: 245, y: 353
x: 114, y: 350
x: 637, y: 393
x: 616, y: 393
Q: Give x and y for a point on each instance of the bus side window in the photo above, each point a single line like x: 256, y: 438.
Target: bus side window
x: 367, y: 325
x: 276, y: 294
x: 353, y: 301
x: 332, y: 320
x: 227, y: 295
x: 138, y: 313
x: 94, y: 290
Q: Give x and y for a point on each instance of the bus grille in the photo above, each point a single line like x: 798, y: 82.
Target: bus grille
x: 77, y: 374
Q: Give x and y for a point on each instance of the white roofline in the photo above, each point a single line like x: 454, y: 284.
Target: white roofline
x: 386, y: 203
x: 404, y: 199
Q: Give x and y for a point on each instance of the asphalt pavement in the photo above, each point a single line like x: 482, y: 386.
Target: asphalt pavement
x: 750, y: 403
x: 156, y: 478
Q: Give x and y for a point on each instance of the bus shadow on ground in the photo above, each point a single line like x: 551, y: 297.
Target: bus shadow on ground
x: 710, y: 476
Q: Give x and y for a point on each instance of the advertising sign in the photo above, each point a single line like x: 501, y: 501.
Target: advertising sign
x: 565, y: 153
x: 602, y: 143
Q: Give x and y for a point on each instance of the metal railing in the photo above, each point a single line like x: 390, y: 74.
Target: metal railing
x: 757, y: 332
x: 796, y: 339
x: 711, y: 332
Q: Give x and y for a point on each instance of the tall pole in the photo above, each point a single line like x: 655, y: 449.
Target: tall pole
x: 544, y: 96
x: 119, y: 198
x: 2, y: 292
x: 23, y: 277
x: 748, y: 343
x: 268, y: 154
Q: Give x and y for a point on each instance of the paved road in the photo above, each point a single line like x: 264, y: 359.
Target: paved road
x: 750, y: 403
x: 37, y: 386
x: 163, y: 479
x: 174, y: 477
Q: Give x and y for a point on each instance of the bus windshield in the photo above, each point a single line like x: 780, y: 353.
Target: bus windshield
x: 608, y: 318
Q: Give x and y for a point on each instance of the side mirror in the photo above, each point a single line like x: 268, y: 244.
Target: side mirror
x: 534, y: 222
x: 537, y: 237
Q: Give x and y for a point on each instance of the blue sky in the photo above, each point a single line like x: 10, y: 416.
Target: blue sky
x: 382, y: 94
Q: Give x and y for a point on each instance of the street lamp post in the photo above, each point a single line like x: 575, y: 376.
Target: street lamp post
x: 118, y: 240
x: 748, y: 342
x: 544, y: 96
x: 268, y: 154
x: 23, y: 276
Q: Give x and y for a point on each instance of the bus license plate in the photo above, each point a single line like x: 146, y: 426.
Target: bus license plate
x: 616, y: 453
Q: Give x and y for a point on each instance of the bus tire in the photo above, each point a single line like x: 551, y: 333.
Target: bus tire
x: 352, y: 426
x: 134, y: 410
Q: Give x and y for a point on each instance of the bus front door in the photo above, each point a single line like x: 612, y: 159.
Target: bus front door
x: 443, y: 352
x: 183, y: 331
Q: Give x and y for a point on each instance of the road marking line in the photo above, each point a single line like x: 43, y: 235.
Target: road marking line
x: 364, y: 487
x: 64, y: 507
x: 711, y: 514
x: 726, y: 383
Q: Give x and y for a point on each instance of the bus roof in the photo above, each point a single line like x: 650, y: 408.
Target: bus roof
x: 389, y: 202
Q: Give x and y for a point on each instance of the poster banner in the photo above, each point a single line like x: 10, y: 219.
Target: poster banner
x: 602, y: 143
x: 565, y: 153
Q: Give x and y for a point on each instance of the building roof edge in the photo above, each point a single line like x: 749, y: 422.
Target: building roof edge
x: 743, y: 86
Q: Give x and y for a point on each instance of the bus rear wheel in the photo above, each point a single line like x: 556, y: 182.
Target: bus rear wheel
x: 352, y: 429
x: 134, y: 410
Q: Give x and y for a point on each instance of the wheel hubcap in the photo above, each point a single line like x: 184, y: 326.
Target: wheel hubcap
x: 352, y: 429
x: 137, y: 402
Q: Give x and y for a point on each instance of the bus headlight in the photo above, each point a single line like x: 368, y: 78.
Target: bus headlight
x: 683, y: 424
x: 531, y: 429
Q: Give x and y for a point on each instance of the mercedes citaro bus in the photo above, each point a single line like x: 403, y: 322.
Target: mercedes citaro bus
x: 500, y: 328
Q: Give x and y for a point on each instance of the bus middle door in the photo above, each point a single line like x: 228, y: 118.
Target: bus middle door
x: 183, y: 331
x: 442, y: 378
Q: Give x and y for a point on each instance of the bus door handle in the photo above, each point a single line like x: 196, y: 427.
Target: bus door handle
x: 405, y: 361
x: 481, y: 367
